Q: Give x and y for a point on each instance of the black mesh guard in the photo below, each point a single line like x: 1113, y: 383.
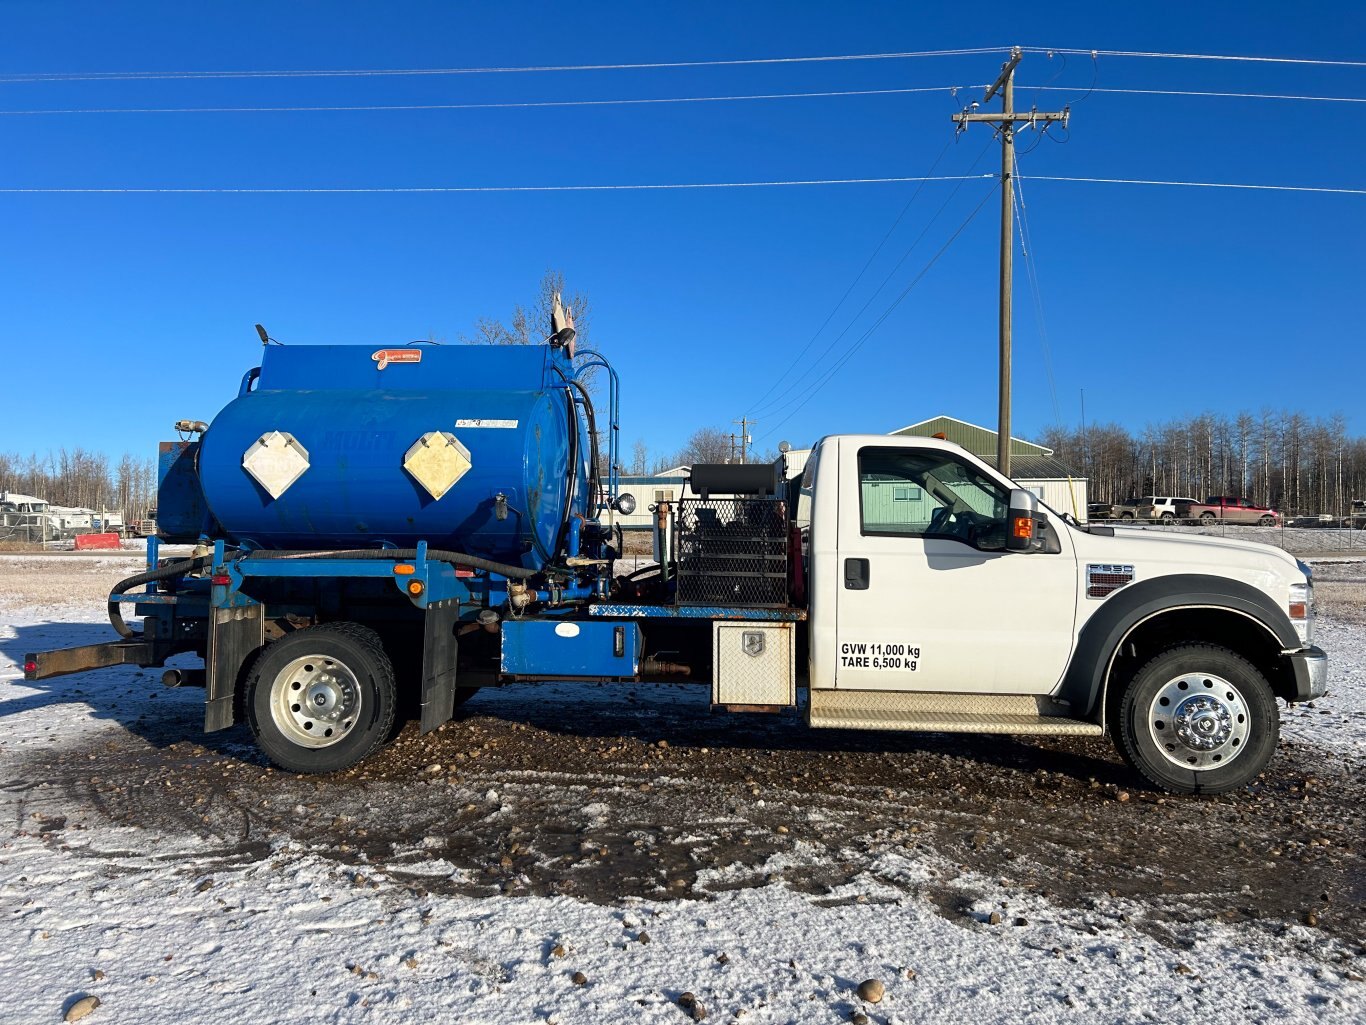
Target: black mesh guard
x: 732, y: 551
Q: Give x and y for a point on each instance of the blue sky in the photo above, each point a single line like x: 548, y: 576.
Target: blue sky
x: 125, y: 312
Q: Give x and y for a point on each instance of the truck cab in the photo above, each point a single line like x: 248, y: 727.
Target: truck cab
x: 925, y: 615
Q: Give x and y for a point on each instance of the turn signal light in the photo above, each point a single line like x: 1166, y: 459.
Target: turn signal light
x: 415, y: 587
x: 1022, y: 527
x: 403, y: 569
x: 1299, y: 610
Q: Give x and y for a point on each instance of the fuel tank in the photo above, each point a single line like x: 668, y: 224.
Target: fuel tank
x: 478, y: 449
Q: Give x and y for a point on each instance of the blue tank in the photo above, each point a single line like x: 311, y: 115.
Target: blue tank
x: 357, y: 411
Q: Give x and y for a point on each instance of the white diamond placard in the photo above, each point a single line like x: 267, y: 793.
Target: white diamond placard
x: 276, y: 461
x: 437, y: 460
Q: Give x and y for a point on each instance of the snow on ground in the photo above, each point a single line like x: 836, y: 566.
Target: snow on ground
x: 163, y: 928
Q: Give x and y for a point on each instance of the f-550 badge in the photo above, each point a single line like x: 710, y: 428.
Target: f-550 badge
x: 1103, y: 579
x: 752, y: 642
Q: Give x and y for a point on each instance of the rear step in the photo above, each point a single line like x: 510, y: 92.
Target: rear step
x: 945, y: 713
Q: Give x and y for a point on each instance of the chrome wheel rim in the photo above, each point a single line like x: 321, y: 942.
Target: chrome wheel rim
x: 315, y: 701
x: 1199, y: 721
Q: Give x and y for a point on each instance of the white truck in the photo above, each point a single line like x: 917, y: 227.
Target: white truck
x: 944, y: 598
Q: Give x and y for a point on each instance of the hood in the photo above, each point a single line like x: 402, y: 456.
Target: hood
x: 1153, y: 554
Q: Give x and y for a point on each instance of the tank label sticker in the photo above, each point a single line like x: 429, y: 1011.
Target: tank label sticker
x: 486, y: 423
x: 383, y: 357
x: 567, y: 629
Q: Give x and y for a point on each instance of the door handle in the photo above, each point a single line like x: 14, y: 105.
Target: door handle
x: 856, y: 574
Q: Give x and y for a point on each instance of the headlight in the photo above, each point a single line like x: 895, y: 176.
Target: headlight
x: 1301, y: 609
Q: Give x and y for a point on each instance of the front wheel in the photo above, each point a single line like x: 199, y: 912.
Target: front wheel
x: 1198, y: 720
x: 321, y: 699
x: 1267, y: 521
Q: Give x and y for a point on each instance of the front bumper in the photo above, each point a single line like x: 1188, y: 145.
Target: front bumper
x: 1311, y: 672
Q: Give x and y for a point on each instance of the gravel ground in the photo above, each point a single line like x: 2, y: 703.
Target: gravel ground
x: 644, y: 792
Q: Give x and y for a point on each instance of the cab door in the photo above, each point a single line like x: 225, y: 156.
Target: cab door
x: 928, y: 597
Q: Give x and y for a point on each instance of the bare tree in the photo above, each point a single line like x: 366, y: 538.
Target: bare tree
x: 531, y: 324
x: 706, y: 445
x: 640, y: 457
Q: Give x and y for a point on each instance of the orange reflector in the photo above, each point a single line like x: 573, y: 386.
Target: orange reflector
x: 1299, y: 610
x: 1023, y: 527
x: 403, y: 569
x: 415, y: 587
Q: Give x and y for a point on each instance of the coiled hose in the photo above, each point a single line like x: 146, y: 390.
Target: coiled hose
x: 172, y: 569
x: 177, y: 569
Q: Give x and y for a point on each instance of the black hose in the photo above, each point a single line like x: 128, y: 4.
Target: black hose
x: 434, y: 554
x: 595, y: 473
x: 172, y: 569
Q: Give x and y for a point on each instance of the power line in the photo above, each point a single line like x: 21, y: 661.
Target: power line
x: 796, y: 360
x: 782, y: 401
x: 1250, y: 59
x: 641, y: 101
x: 342, y: 190
x: 644, y: 186
x: 108, y: 76
x: 132, y: 76
x: 883, y: 316
x: 951, y: 89
x: 1199, y: 92
x: 1032, y: 272
x: 1197, y: 185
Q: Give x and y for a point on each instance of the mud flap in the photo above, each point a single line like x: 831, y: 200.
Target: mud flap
x: 235, y: 635
x: 439, y: 647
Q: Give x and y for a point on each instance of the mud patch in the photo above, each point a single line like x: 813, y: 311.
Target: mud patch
x: 647, y: 793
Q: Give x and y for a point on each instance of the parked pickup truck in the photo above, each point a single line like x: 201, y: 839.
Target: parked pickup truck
x: 1230, y: 510
x: 1357, y: 517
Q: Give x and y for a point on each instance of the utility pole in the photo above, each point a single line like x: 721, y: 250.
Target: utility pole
x: 745, y: 423
x: 1006, y: 122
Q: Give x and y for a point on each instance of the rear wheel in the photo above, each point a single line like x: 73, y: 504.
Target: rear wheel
x: 1198, y: 719
x: 1207, y: 519
x: 1168, y: 518
x: 1126, y: 516
x: 1267, y: 521
x: 321, y: 699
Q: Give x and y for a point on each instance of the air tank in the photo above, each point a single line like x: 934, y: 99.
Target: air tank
x: 477, y: 449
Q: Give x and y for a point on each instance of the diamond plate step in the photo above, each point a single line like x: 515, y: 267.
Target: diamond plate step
x: 945, y: 713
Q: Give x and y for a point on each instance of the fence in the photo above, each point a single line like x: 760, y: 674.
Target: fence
x: 1331, y: 540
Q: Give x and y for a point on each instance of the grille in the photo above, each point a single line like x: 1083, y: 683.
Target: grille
x: 732, y: 551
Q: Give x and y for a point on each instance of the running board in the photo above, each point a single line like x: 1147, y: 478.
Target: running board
x: 944, y: 713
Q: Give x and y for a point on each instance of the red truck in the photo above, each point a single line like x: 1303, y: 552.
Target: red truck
x: 1228, y: 509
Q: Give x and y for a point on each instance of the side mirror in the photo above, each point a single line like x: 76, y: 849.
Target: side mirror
x: 1020, y: 520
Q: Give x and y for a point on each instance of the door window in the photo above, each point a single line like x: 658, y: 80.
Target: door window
x: 930, y: 494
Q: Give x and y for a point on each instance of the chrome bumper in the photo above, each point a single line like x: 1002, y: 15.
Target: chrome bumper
x: 1311, y: 672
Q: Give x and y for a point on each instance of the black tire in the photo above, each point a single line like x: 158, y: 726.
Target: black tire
x: 1267, y: 521
x: 346, y: 664
x: 1198, y: 719
x: 1168, y: 518
x: 1207, y: 519
x: 1126, y: 516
